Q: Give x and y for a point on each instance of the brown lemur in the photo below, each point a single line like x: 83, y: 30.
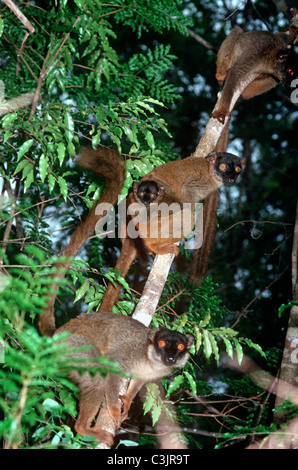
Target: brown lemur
x: 144, y: 353
x: 269, y: 55
x: 188, y: 181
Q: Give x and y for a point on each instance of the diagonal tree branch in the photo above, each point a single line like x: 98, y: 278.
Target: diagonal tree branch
x: 20, y: 15
x: 201, y: 40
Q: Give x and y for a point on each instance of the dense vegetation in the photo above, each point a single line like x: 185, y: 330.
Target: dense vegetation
x: 129, y: 75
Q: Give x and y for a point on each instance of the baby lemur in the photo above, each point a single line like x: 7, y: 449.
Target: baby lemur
x: 148, y: 191
x: 269, y: 55
x: 144, y: 353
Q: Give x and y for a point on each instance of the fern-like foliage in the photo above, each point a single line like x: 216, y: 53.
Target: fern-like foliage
x: 144, y: 73
x: 35, y: 392
x: 157, y: 15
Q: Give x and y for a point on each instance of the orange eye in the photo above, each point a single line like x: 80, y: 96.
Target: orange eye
x: 222, y: 166
x: 152, y: 195
x: 161, y: 344
x: 180, y: 346
x: 290, y: 71
x: 237, y: 169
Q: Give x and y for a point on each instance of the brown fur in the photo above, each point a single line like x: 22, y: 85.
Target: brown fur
x: 243, y: 53
x: 134, y: 347
x: 200, y: 260
x: 187, y: 181
x: 127, y: 256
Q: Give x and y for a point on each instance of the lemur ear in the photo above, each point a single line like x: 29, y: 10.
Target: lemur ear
x: 212, y: 157
x: 151, y: 335
x: 243, y: 162
x: 161, y: 191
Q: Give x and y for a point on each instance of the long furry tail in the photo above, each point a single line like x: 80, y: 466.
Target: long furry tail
x: 108, y: 163
x: 201, y: 256
x: 127, y: 256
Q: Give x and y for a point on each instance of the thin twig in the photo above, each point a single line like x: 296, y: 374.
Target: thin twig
x: 255, y: 222
x: 45, y: 70
x: 201, y: 40
x: 245, y: 310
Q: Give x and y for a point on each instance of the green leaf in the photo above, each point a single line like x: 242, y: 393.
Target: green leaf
x: 174, y: 384
x: 68, y: 401
x: 198, y: 337
x: 8, y: 119
x: 71, y: 149
x: 2, y: 90
x: 57, y: 438
x: 203, y: 323
x: 24, y: 148
x: 20, y: 166
x: 156, y: 414
x: 239, y: 351
x: 50, y: 405
x: 229, y: 347
x: 150, y: 399
x: 7, y: 135
x: 207, y: 344
x: 255, y: 346
x: 1, y: 26
x: 141, y: 167
x: 153, y: 401
x: 63, y: 186
x: 90, y: 294
x: 69, y: 124
x: 283, y: 307
x: 182, y: 322
x: 52, y: 182
x: 127, y: 442
x: 214, y: 346
x: 43, y: 167
x: 80, y: 3
x: 81, y: 291
x: 61, y: 152
x: 96, y: 139
x: 28, y: 167
x: 150, y: 139
x: 192, y: 383
x: 29, y: 180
